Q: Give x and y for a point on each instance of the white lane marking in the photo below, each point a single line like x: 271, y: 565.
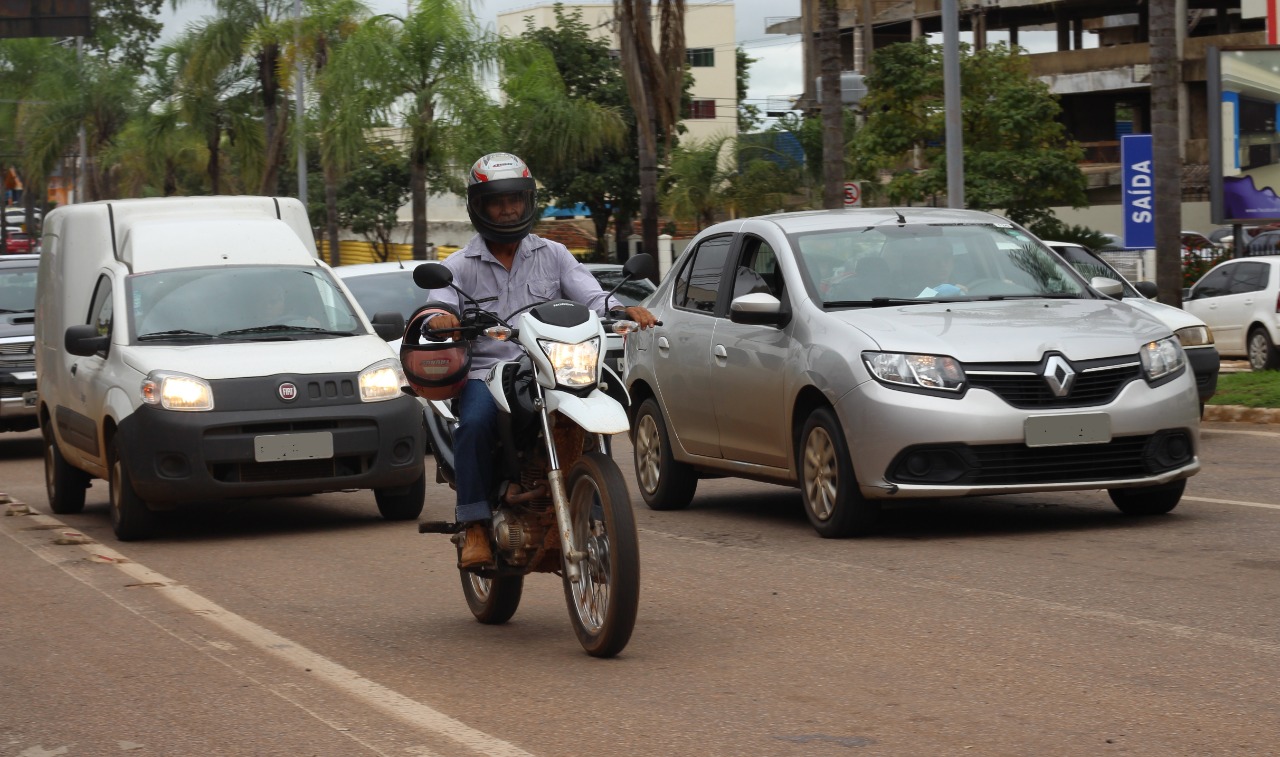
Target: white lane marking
x: 944, y: 587
x: 1204, y: 431
x: 352, y: 683
x: 1231, y: 502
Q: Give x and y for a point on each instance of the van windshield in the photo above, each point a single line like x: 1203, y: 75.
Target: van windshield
x: 239, y: 303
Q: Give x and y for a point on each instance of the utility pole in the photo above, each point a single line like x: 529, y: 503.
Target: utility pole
x: 1165, y: 153
x: 830, y: 105
x: 82, y: 159
x: 951, y: 102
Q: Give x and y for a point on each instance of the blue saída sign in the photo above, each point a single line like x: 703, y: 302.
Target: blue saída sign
x: 1136, y: 186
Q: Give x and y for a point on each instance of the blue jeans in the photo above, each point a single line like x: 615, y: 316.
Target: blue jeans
x: 473, y: 445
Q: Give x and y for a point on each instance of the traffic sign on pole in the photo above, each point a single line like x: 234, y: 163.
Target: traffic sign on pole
x: 853, y: 194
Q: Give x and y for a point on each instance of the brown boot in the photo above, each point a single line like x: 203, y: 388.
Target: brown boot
x: 475, y: 549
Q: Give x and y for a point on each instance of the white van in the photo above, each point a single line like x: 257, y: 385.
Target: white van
x: 192, y: 349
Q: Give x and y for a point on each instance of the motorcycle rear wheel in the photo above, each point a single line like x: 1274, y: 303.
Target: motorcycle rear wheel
x: 603, y: 601
x: 492, y: 600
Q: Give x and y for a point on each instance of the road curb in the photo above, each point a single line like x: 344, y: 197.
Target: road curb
x: 1241, y: 414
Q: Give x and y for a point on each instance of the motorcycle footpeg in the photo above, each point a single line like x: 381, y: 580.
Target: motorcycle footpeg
x: 439, y: 527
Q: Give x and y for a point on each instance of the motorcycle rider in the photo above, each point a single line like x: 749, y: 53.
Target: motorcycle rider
x: 506, y: 268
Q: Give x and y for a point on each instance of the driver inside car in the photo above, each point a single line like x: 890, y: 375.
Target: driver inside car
x: 505, y: 268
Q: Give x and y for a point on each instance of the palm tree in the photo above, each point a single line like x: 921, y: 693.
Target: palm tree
x: 21, y: 61
x: 419, y: 70
x: 655, y: 82
x: 226, y: 42
x: 696, y: 184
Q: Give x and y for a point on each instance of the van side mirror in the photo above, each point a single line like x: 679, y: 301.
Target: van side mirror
x: 388, y: 326
x: 84, y: 340
x: 1147, y: 289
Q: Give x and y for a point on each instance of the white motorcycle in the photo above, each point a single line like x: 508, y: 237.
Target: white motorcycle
x: 563, y: 505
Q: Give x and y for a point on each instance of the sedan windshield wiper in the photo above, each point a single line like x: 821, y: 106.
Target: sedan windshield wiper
x: 175, y: 334
x: 1046, y: 296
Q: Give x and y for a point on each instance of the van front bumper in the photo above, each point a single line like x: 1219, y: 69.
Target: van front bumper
x: 177, y: 457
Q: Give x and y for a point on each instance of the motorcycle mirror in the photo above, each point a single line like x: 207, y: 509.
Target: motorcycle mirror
x: 432, y: 276
x: 641, y: 266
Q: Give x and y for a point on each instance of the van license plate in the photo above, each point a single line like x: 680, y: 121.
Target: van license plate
x: 273, y: 447
x: 1061, y: 430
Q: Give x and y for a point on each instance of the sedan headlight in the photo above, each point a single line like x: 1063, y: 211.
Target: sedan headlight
x: 1194, y: 336
x: 177, y: 391
x: 1162, y: 358
x: 574, y: 364
x: 936, y: 372
x: 382, y: 381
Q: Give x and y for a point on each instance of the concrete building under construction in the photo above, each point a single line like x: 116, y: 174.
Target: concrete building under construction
x: 1099, y: 68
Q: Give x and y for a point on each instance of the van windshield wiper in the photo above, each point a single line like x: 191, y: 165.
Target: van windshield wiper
x: 175, y: 334
x: 279, y: 328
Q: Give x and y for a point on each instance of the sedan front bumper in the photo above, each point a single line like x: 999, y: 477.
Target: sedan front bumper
x: 907, y: 444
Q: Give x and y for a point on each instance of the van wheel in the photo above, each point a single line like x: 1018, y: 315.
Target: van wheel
x: 404, y: 502
x: 131, y: 519
x: 1263, y: 355
x: 64, y: 485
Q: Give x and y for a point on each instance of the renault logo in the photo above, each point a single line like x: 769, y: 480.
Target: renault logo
x: 1059, y: 375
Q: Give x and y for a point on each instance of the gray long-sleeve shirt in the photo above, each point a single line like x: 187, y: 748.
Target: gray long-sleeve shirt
x: 542, y: 270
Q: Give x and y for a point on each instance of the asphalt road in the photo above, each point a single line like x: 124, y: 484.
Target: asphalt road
x: 1028, y: 625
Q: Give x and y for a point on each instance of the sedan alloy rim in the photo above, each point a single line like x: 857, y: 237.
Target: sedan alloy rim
x: 649, y: 450
x: 1258, y: 351
x: 821, y: 478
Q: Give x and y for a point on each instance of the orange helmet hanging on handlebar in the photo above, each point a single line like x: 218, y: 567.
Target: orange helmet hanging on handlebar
x: 437, y: 370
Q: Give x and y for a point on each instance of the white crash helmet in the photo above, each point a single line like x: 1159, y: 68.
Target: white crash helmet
x: 495, y: 174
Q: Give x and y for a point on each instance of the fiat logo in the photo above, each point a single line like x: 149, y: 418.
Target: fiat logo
x: 288, y: 392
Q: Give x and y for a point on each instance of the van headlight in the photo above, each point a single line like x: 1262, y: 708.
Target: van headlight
x: 177, y: 391
x: 1162, y: 358
x: 574, y: 364
x: 933, y: 372
x: 382, y: 381
x: 1194, y: 336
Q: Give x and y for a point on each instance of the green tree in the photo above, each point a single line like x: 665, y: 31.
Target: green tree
x: 420, y: 71
x: 696, y: 185
x: 373, y: 193
x: 124, y: 31
x: 608, y: 183
x: 748, y: 115
x: 1017, y: 156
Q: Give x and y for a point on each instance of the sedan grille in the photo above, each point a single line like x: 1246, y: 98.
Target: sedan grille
x: 1026, y: 387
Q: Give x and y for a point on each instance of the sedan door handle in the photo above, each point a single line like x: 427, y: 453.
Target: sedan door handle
x: 722, y: 356
x: 74, y: 366
x: 663, y: 345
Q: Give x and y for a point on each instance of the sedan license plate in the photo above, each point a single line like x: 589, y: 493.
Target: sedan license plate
x: 312, y: 446
x: 1061, y: 430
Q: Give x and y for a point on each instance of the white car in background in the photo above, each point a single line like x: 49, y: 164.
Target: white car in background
x: 1196, y: 336
x: 1240, y: 300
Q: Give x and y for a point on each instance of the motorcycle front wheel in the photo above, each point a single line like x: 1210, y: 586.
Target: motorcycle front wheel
x: 606, y: 595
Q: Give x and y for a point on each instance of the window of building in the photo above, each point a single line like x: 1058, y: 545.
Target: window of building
x: 702, y: 109
x: 701, y: 57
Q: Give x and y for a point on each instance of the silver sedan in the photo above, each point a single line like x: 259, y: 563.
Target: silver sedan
x: 872, y: 355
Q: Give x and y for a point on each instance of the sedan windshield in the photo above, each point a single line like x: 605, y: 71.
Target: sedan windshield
x: 17, y: 290
x: 869, y: 265
x: 244, y: 303
x: 390, y: 292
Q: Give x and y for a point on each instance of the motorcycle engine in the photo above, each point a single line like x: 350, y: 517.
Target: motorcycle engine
x: 516, y: 533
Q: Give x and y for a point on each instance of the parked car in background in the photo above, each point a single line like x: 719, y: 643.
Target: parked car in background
x: 18, y: 243
x: 833, y: 351
x: 17, y: 329
x: 1195, y: 335
x: 1266, y: 243
x: 16, y: 218
x: 1240, y: 300
x: 631, y: 293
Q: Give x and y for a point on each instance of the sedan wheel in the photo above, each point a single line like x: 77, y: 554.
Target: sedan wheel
x: 1263, y: 355
x: 665, y: 483
x: 827, y: 483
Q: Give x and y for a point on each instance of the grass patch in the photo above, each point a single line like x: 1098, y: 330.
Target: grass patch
x: 1249, y: 388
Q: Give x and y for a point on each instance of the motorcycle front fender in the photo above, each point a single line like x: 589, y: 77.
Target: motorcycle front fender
x: 597, y: 413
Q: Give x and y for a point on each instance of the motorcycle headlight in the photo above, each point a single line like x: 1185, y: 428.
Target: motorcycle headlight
x: 1194, y: 336
x: 381, y: 381
x: 574, y: 364
x: 934, y: 372
x: 177, y: 391
x: 1161, y: 358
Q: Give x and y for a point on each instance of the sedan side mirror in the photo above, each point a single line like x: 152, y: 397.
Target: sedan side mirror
x: 1147, y: 289
x: 1109, y: 287
x: 389, y: 326
x: 758, y: 308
